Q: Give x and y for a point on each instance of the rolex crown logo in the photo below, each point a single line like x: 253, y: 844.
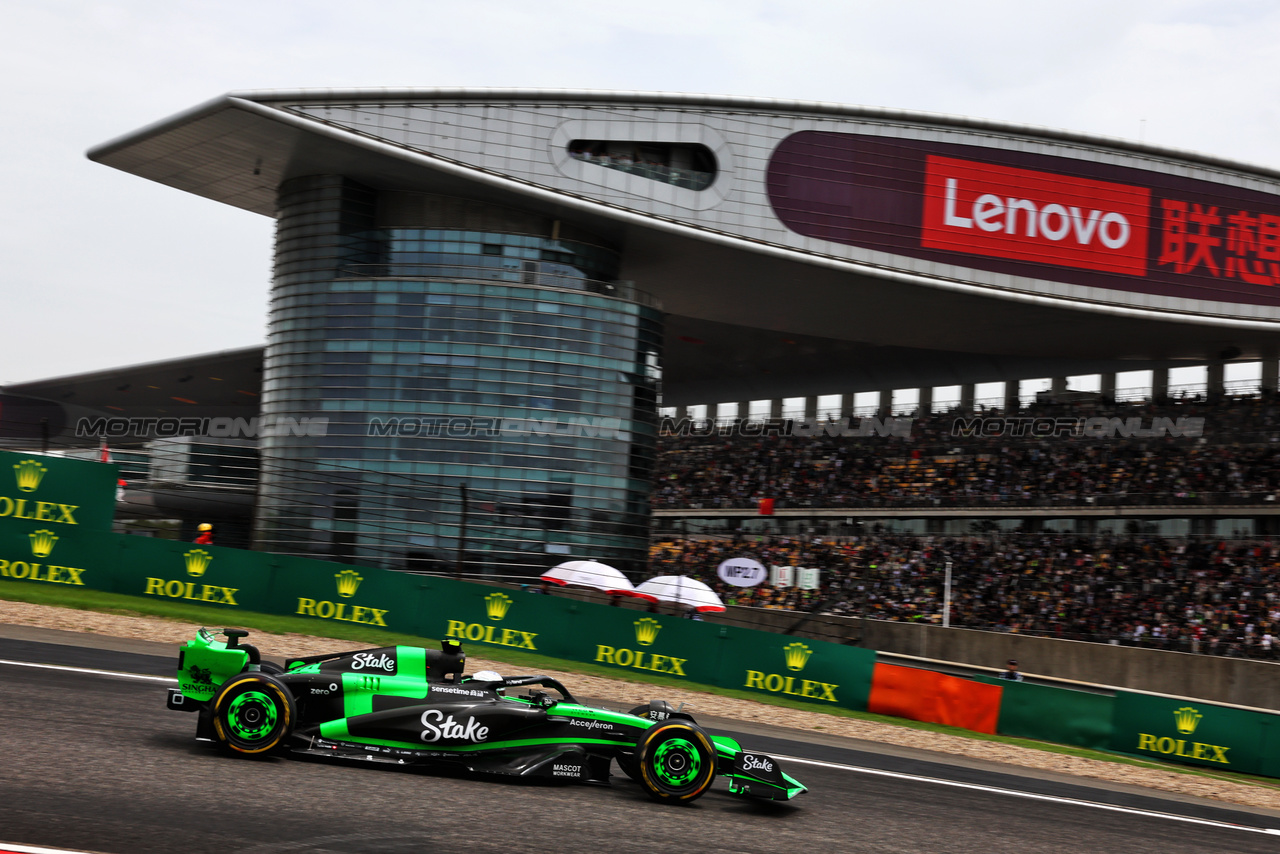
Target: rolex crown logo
x: 348, y: 581
x: 42, y: 542
x: 29, y: 474
x: 647, y: 630
x: 497, y: 605
x: 1187, y: 719
x: 197, y: 561
x: 797, y: 655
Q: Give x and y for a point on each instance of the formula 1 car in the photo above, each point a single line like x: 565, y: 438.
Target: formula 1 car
x: 407, y: 705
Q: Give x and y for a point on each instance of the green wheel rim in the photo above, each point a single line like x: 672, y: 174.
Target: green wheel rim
x: 676, y: 762
x: 251, y: 716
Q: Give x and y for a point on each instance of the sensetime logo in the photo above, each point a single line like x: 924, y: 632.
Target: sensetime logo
x: 1002, y: 212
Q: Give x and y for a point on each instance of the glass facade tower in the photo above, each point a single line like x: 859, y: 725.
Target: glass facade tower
x: 470, y: 387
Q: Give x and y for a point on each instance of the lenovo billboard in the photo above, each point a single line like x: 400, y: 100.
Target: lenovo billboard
x: 1033, y: 216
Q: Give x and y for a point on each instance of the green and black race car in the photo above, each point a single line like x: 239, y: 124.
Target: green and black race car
x: 407, y: 705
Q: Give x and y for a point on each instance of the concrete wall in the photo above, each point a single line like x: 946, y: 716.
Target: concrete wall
x: 1225, y: 680
x: 1206, y: 677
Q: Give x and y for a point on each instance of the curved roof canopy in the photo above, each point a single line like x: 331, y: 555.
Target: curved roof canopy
x: 837, y: 248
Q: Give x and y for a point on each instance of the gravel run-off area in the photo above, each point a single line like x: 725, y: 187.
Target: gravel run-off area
x: 625, y: 692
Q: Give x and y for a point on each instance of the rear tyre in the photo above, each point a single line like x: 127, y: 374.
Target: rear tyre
x: 677, y: 762
x: 253, y: 713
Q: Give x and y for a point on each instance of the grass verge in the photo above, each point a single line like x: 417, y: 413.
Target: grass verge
x: 115, y: 603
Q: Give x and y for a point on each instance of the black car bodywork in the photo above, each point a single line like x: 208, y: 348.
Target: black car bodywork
x: 408, y: 705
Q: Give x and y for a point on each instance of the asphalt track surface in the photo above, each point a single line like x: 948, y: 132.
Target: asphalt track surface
x: 95, y: 762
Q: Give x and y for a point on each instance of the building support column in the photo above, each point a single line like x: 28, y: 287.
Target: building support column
x: 885, y: 409
x: 744, y: 410
x: 1215, y: 378
x: 846, y: 405
x: 924, y: 405
x: 1270, y: 374
x: 1058, y: 388
x: 810, y: 408
x: 1159, y: 385
x: 1107, y: 386
x: 775, y: 409
x: 1012, y: 401
x: 966, y: 397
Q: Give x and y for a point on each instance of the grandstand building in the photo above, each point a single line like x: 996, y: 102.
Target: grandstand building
x: 496, y: 289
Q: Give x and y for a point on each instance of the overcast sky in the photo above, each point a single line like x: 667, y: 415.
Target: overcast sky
x: 103, y: 269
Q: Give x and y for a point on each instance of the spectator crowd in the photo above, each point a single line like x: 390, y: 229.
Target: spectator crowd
x: 1236, y: 460
x: 1214, y: 597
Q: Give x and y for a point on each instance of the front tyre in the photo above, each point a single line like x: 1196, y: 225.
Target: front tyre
x: 677, y: 762
x: 253, y: 713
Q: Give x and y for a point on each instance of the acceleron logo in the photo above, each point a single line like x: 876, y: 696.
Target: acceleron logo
x: 794, y: 657
x: 1186, y: 721
x: 496, y: 608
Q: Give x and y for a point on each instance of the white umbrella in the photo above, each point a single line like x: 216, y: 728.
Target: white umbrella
x: 590, y: 573
x: 684, y: 591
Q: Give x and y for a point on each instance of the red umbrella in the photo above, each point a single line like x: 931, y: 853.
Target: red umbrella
x: 592, y: 574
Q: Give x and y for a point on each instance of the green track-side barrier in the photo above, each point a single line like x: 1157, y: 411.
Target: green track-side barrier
x: 1197, y: 733
x: 55, y: 520
x: 1058, y: 715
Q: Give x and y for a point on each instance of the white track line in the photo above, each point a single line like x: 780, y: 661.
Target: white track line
x: 871, y: 771
x: 1032, y: 796
x: 31, y: 849
x: 138, y: 676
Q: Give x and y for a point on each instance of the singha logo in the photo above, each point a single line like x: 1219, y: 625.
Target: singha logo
x: 29, y: 474
x: 200, y: 675
x: 497, y: 605
x: 796, y: 655
x: 197, y: 561
x: 348, y: 581
x: 42, y: 542
x: 1187, y: 719
x: 647, y: 629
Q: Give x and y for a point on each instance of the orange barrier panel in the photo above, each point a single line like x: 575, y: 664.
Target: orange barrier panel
x: 922, y: 695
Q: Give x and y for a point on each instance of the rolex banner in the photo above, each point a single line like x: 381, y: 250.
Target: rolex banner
x: 63, y: 495
x: 813, y: 671
x: 54, y: 516
x: 1197, y: 733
